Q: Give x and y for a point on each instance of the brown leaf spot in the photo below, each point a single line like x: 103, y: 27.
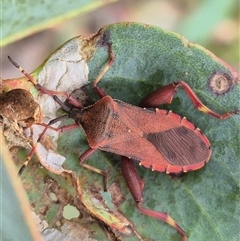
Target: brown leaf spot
x: 220, y: 83
x: 104, y: 38
x: 117, y: 197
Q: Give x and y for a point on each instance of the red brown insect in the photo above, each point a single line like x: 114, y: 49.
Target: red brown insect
x: 157, y: 139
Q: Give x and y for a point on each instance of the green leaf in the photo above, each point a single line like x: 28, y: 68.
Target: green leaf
x: 205, y: 203
x: 16, y: 221
x: 22, y: 18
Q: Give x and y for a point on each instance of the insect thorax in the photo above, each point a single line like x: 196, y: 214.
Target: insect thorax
x: 96, y: 120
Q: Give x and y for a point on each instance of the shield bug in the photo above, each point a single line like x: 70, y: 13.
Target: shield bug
x: 155, y: 138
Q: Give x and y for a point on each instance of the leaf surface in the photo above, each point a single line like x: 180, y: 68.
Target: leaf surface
x: 205, y: 203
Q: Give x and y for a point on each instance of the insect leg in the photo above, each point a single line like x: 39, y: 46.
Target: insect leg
x: 84, y: 157
x: 98, y: 90
x: 135, y: 185
x: 47, y: 126
x: 165, y: 95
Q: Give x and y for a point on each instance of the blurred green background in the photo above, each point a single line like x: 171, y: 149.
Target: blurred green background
x: 210, y: 23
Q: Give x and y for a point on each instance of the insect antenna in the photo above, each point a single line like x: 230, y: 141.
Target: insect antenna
x: 43, y: 90
x: 30, y: 78
x: 54, y: 94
